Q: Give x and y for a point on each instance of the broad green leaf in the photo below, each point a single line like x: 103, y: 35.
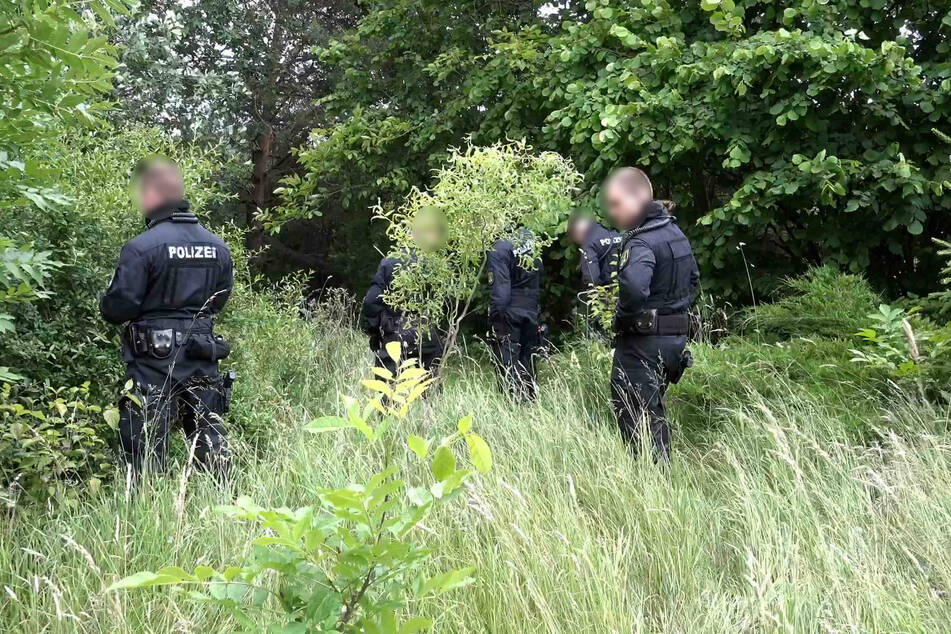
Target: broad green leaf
x: 417, y: 624
x: 395, y: 350
x: 419, y: 446
x: 448, y: 581
x: 444, y: 462
x: 111, y: 416
x: 465, y: 424
x: 479, y: 453
x: 327, y: 424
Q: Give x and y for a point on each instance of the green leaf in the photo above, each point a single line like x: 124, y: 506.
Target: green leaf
x: 444, y: 463
x: 479, y: 453
x: 419, y: 446
x: 465, y: 424
x: 448, y: 581
x: 111, y: 416
x: 327, y: 424
x: 145, y: 579
x: 417, y: 624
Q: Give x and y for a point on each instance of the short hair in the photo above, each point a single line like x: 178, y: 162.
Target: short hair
x: 162, y: 175
x: 631, y: 179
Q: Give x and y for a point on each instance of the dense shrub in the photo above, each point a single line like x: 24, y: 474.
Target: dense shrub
x: 51, y: 443
x: 910, y: 343
x: 738, y: 371
x: 824, y: 302
x: 53, y: 436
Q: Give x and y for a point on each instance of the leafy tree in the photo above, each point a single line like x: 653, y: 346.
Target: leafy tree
x: 804, y: 133
x: 56, y: 63
x: 393, y: 111
x: 486, y: 194
x: 801, y: 133
x: 240, y: 73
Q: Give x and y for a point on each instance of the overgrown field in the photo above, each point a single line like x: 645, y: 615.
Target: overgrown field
x: 799, y: 500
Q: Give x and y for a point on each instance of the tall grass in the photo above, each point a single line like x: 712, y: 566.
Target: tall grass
x: 776, y: 520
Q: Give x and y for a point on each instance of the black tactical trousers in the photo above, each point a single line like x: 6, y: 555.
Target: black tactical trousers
x: 643, y: 368
x: 514, y: 345
x: 196, y: 402
x: 428, y: 355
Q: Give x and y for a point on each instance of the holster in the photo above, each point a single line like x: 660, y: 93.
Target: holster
x: 686, y: 361
x: 138, y: 339
x: 227, y: 383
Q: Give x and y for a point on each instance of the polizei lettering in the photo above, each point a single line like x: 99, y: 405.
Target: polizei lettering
x: 192, y: 252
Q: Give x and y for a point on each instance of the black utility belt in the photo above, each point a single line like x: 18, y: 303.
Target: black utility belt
x: 200, y: 344
x: 648, y: 322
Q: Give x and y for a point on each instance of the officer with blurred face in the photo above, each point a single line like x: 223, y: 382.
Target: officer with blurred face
x: 383, y: 323
x: 170, y: 282
x: 599, y: 246
x: 657, y: 281
x: 513, y: 311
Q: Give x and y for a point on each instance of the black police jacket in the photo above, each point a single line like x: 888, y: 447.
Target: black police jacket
x: 656, y: 269
x: 175, y: 269
x: 599, y: 255
x: 514, y: 289
x: 379, y: 319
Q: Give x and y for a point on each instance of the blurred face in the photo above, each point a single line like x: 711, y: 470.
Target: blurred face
x: 148, y: 197
x: 429, y: 229
x: 625, y: 204
x: 579, y: 230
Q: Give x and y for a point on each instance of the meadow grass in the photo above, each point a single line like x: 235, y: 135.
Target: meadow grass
x: 777, y: 519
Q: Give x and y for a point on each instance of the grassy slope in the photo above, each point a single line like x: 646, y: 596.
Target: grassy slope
x: 773, y: 519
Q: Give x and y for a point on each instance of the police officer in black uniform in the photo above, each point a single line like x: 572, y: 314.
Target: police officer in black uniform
x: 513, y: 311
x: 657, y: 281
x: 599, y: 246
x: 383, y: 323
x: 169, y: 283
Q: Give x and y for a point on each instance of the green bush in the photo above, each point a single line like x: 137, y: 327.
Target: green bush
x: 738, y: 371
x: 824, y: 302
x: 52, y: 441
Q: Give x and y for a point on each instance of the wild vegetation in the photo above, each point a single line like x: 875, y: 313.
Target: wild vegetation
x: 809, y: 489
x: 796, y: 472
